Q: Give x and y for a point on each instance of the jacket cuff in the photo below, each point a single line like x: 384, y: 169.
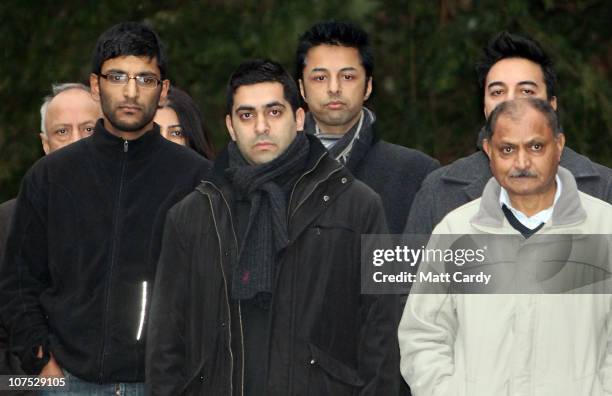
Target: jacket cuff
x: 31, y: 363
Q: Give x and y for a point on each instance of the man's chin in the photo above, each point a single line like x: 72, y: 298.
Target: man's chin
x: 129, y: 127
x: 524, y: 190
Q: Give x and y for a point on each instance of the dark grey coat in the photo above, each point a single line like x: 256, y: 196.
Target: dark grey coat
x: 462, y: 181
x: 394, y: 172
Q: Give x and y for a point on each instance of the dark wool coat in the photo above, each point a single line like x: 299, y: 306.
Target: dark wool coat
x: 394, y: 172
x: 325, y: 337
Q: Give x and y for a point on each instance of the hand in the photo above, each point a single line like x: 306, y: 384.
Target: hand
x: 51, y: 369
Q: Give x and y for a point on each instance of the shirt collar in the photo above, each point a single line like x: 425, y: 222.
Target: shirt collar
x: 538, y: 218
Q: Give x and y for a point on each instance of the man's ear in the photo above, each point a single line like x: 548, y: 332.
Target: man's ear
x: 368, y: 90
x: 94, y: 84
x: 302, y: 90
x: 553, y: 102
x: 300, y: 116
x: 230, y: 127
x: 560, y: 142
x: 45, y: 142
x: 486, y: 147
x: 164, y: 92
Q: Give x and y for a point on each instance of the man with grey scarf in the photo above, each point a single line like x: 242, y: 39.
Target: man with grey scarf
x: 334, y: 68
x: 258, y: 287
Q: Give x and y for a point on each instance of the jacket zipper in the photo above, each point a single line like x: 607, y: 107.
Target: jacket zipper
x: 298, y: 182
x: 229, y: 327
x: 313, y: 189
x: 110, y: 272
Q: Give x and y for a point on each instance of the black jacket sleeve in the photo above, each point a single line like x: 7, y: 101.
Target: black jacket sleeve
x: 166, y: 348
x: 24, y: 276
x: 379, y: 317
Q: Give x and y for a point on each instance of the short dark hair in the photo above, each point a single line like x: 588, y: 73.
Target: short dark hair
x: 260, y: 71
x: 343, y: 34
x: 506, y: 45
x: 515, y: 109
x: 192, y: 122
x: 129, y: 38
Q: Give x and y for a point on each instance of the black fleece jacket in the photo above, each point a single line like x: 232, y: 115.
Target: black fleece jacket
x: 86, y: 236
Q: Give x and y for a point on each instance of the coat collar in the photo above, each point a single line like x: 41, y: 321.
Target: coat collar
x: 321, y: 182
x: 114, y: 146
x: 473, y: 171
x: 218, y: 177
x: 568, y: 209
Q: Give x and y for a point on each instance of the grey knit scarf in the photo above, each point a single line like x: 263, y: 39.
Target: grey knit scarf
x: 266, y: 187
x: 342, y: 149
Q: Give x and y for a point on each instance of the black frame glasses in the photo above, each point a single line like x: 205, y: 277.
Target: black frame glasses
x: 144, y: 81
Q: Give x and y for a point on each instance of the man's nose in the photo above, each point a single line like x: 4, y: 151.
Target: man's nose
x: 522, y: 160
x: 262, y: 127
x: 333, y: 86
x: 130, y: 90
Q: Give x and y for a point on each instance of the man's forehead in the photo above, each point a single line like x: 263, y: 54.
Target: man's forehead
x: 515, y: 71
x: 259, y: 95
x: 131, y: 63
x: 332, y: 58
x: 73, y: 102
x: 531, y: 125
x: 71, y: 98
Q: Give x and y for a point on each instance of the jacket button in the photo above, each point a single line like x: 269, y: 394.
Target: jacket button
x: 201, y: 378
x: 325, y: 198
x: 222, y: 324
x: 313, y: 361
x: 226, y: 253
x: 344, y: 180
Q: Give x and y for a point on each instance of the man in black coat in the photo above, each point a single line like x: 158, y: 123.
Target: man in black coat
x: 334, y: 65
x: 258, y: 283
x: 84, y: 242
x: 511, y: 67
x: 68, y: 114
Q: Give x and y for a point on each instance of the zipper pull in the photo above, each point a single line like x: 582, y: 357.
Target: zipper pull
x: 125, y: 146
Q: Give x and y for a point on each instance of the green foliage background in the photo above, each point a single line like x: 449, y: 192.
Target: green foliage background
x: 425, y: 89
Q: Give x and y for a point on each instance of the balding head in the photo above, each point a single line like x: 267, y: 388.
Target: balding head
x: 515, y: 110
x: 67, y: 116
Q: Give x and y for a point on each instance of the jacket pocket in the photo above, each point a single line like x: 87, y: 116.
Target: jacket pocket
x: 198, y: 380
x: 328, y: 376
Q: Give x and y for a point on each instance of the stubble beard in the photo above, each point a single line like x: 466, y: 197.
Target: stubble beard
x: 148, y: 113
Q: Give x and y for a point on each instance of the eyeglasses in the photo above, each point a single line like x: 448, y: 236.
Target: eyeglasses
x: 123, y: 78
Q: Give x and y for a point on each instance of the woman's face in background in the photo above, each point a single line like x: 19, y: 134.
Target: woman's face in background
x: 169, y: 125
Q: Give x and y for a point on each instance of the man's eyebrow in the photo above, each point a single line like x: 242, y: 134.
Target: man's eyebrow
x: 244, y: 108
x: 501, y: 83
x: 116, y: 71
x: 322, y: 69
x: 140, y: 73
x: 496, y: 83
x: 276, y: 103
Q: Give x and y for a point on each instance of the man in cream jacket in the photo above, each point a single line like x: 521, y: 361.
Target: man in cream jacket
x: 554, y: 339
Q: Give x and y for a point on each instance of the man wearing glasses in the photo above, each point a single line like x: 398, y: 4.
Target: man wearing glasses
x: 83, y: 247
